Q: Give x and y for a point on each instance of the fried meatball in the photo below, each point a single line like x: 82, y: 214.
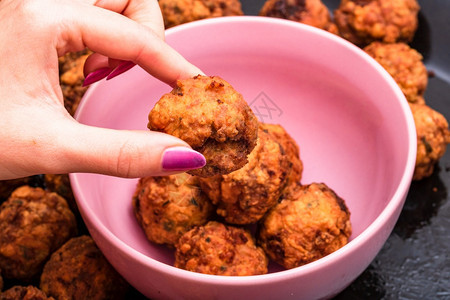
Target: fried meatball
x: 8, y: 186
x: 78, y: 270
x: 213, y: 118
x: 364, y: 21
x: 245, y: 195
x: 405, y: 65
x: 433, y: 136
x: 24, y: 293
x: 289, y: 146
x: 33, y: 224
x: 220, y: 249
x: 310, y: 12
x: 176, y: 12
x: 309, y: 223
x: 71, y: 80
x: 166, y: 207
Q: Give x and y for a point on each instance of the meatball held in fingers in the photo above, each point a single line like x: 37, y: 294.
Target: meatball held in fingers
x: 213, y: 118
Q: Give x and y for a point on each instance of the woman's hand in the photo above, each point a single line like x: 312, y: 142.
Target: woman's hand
x: 37, y: 134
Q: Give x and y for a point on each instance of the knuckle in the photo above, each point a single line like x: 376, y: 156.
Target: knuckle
x: 127, y: 160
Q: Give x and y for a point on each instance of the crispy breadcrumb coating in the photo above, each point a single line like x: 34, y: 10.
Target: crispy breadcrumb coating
x: 290, y: 146
x: 166, y: 207
x: 220, y: 249
x: 310, y: 222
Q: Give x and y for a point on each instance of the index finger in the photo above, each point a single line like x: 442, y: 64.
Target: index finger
x: 116, y: 36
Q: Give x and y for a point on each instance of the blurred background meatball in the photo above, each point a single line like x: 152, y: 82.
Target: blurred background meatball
x: 405, y: 65
x: 71, y: 78
x: 78, y: 270
x: 364, y: 21
x: 8, y: 186
x: 33, y: 223
x: 433, y: 136
x: 176, y: 12
x: 310, y: 12
x: 24, y: 293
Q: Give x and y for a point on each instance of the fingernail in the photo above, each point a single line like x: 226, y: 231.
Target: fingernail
x: 96, y: 76
x: 121, y: 68
x: 182, y: 158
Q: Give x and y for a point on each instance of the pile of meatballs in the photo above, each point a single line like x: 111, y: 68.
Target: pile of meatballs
x: 247, y: 206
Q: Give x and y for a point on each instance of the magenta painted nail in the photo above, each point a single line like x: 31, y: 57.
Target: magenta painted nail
x: 121, y: 68
x: 96, y: 76
x: 182, y: 158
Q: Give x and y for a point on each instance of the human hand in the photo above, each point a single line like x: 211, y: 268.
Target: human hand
x: 38, y: 135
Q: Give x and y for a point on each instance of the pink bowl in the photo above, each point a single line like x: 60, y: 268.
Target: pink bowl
x: 354, y: 127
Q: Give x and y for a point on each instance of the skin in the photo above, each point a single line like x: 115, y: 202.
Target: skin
x: 34, y: 122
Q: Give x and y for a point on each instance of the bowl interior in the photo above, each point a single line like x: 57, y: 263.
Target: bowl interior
x: 352, y: 133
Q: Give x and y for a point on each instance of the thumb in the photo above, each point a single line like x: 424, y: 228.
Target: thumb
x: 127, y: 153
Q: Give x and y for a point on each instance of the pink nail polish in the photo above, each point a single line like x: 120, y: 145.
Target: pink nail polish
x: 121, y: 68
x: 182, y: 158
x: 96, y: 76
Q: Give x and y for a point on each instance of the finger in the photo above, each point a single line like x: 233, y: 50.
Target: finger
x: 126, y: 153
x: 118, y: 37
x: 145, y: 12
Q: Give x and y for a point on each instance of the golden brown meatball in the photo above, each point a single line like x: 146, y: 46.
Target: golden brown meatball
x: 309, y: 223
x: 432, y: 138
x: 213, y: 118
x: 220, y: 249
x: 310, y: 12
x: 166, y: 207
x: 364, y: 21
x: 245, y: 195
x: 290, y: 146
x: 33, y: 224
x: 71, y: 79
x: 24, y: 293
x: 176, y: 12
x: 405, y: 66
x: 78, y: 270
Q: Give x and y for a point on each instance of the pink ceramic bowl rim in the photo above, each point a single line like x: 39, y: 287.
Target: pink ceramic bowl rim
x: 350, y: 249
